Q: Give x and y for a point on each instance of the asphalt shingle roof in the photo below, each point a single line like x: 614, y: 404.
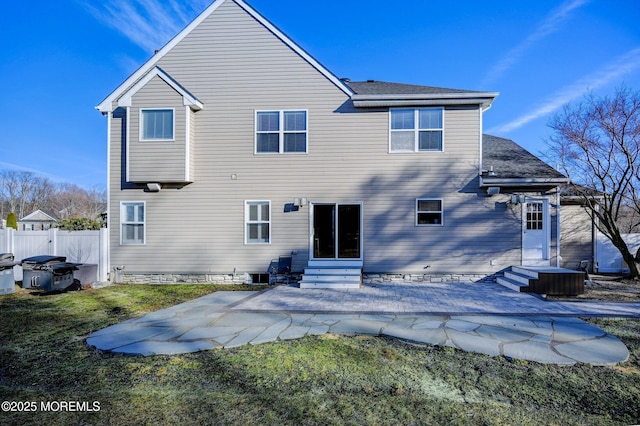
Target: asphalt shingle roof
x: 372, y: 87
x: 510, y: 160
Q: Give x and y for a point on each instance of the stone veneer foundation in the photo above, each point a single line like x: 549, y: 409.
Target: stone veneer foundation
x: 246, y: 278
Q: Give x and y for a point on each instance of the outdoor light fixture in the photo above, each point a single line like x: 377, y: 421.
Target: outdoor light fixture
x: 154, y: 187
x: 518, y: 199
x: 300, y: 201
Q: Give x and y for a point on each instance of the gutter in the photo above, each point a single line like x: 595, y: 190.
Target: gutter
x: 486, y: 181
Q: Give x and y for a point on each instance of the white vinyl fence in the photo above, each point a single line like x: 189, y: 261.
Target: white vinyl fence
x: 87, y: 247
x: 609, y: 258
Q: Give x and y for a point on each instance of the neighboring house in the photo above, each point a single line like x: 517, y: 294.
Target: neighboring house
x: 233, y: 146
x: 37, y: 221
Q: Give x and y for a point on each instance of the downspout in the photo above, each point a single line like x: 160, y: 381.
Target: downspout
x: 107, y: 267
x: 558, y: 230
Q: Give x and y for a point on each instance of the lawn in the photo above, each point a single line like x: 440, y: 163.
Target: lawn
x: 44, y: 363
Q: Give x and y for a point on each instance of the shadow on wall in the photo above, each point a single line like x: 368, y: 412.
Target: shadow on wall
x: 478, y: 234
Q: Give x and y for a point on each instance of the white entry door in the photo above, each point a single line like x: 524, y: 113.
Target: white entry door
x: 536, y: 233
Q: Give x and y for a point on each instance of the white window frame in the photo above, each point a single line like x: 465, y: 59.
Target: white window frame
x: 173, y: 125
x: 259, y: 221
x: 416, y: 129
x: 123, y: 222
x: 441, y: 211
x: 281, y: 131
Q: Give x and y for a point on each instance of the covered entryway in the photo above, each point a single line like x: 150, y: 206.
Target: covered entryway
x: 335, y: 259
x: 536, y: 232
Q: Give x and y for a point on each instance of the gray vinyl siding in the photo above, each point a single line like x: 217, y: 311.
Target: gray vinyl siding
x: 577, y: 236
x: 157, y: 161
x: 234, y: 66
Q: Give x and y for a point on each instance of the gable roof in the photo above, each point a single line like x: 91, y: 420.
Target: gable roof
x: 373, y: 93
x: 38, y: 216
x: 107, y: 104
x: 188, y: 98
x: 506, y: 163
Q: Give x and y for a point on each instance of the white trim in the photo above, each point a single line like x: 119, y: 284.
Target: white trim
x: 311, y: 231
x: 141, y: 125
x: 109, y: 217
x: 281, y: 131
x: 187, y: 98
x: 430, y: 211
x: 187, y: 145
x: 545, y: 256
x: 107, y: 104
x: 247, y: 222
x: 129, y: 128
x: 416, y: 129
x: 144, y: 223
x: 480, y: 142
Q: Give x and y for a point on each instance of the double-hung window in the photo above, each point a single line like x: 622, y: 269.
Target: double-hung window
x: 428, y: 212
x: 257, y: 219
x: 416, y: 130
x: 157, y: 124
x: 280, y: 132
x: 132, y: 222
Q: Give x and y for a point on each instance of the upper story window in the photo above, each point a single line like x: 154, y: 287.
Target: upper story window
x: 428, y: 212
x: 157, y: 124
x: 281, y: 132
x: 132, y: 222
x: 416, y: 130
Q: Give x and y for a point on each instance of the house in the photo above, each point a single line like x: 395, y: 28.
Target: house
x: 233, y: 146
x: 37, y: 221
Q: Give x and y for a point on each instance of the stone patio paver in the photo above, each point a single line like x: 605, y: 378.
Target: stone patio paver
x: 480, y: 317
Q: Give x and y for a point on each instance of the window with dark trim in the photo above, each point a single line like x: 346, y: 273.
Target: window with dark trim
x: 429, y: 212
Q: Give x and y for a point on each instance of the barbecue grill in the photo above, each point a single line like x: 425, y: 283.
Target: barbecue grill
x: 48, y: 273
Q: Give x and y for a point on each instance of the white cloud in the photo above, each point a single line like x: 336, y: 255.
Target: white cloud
x: 549, y: 25
x: 611, y: 72
x: 150, y: 24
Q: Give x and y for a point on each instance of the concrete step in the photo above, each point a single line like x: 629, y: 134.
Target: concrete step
x: 511, y: 284
x: 333, y: 271
x: 333, y: 263
x: 531, y: 273
x: 331, y: 278
x: 519, y: 278
x: 329, y: 285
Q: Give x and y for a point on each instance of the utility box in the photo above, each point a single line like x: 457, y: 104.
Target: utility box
x: 7, y: 279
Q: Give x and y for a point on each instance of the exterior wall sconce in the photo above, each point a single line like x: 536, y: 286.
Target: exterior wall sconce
x: 300, y: 201
x: 518, y: 199
x: 154, y: 187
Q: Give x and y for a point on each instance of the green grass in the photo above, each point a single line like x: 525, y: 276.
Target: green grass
x: 315, y: 381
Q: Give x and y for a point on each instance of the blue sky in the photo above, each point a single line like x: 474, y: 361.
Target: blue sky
x: 61, y: 58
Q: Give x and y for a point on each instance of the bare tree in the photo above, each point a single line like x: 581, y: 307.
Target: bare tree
x: 23, y: 192
x: 71, y: 201
x: 597, y: 142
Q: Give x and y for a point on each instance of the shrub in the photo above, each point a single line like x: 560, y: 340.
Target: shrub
x: 12, y: 221
x: 80, y: 224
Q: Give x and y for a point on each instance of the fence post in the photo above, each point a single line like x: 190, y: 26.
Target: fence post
x: 8, y: 240
x: 103, y: 262
x: 53, y: 242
